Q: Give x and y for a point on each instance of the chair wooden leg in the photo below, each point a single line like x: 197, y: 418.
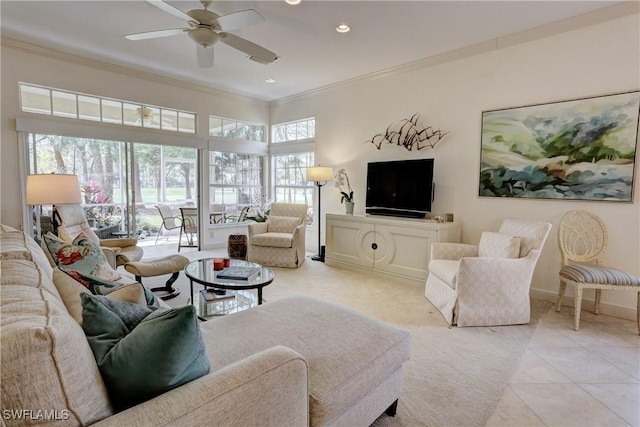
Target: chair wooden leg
x: 597, y: 308
x: 391, y: 410
x: 563, y: 287
x: 578, y: 306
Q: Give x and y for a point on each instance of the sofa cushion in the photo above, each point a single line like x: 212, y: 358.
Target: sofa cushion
x: 142, y: 353
x: 339, y: 375
x: 274, y: 240
x: 98, y: 286
x: 498, y: 245
x: 15, y: 244
x: 82, y: 255
x: 70, y: 291
x: 282, y: 224
x: 46, y: 360
x: 446, y: 270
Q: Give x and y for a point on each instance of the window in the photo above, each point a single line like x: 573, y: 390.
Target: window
x: 234, y: 129
x: 161, y: 174
x: 43, y: 100
x: 236, y: 181
x: 294, y: 131
x: 290, y: 178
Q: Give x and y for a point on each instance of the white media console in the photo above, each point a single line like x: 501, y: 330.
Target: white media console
x: 398, y: 247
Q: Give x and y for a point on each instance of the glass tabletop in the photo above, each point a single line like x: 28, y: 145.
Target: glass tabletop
x: 201, y: 271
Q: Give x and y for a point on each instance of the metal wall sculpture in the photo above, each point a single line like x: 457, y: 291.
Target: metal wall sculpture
x: 409, y: 134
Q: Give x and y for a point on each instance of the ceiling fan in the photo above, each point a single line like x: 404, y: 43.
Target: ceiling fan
x: 207, y: 28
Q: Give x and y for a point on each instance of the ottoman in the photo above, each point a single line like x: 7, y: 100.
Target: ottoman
x: 171, y: 264
x: 354, y: 361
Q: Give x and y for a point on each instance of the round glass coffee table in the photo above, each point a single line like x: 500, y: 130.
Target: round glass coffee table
x: 201, y: 271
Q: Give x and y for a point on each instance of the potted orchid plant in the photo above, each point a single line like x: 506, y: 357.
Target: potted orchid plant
x: 346, y: 193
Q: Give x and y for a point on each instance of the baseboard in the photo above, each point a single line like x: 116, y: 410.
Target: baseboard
x: 589, y: 305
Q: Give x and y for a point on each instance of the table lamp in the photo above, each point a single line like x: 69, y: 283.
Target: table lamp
x: 52, y: 189
x: 320, y: 175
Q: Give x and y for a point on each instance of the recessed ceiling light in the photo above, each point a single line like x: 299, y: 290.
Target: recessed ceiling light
x: 294, y: 2
x: 343, y: 28
x: 269, y: 80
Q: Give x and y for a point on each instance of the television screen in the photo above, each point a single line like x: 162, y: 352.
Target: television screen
x: 400, y: 188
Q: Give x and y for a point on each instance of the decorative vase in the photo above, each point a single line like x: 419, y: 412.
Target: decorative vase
x: 348, y: 206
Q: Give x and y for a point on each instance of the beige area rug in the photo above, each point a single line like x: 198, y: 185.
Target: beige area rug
x: 455, y: 377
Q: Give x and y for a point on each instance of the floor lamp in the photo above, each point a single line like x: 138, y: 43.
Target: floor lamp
x: 320, y: 175
x: 52, y: 189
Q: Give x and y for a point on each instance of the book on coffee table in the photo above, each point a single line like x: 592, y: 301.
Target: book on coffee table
x: 209, y: 296
x: 241, y: 274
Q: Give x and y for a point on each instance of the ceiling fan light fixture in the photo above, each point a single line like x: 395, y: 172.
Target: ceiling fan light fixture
x: 269, y: 80
x: 293, y: 2
x: 203, y: 36
x: 343, y: 28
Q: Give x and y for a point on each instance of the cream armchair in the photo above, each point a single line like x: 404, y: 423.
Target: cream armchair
x: 73, y: 222
x: 279, y: 242
x: 487, y: 284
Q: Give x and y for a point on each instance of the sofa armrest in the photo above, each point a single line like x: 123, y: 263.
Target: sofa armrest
x: 257, y: 228
x: 118, y: 243
x: 269, y: 388
x: 452, y: 251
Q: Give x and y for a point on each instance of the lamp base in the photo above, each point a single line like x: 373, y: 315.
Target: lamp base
x: 320, y: 256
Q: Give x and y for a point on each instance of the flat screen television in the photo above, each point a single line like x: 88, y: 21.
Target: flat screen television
x: 400, y: 188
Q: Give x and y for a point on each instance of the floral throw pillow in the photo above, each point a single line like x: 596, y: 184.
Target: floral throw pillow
x: 82, y: 255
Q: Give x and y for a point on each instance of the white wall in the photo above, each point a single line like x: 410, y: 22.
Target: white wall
x: 595, y: 60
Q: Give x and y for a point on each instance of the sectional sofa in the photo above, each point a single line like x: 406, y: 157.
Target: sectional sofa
x: 292, y: 362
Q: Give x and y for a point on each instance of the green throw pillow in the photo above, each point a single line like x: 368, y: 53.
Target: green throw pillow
x: 142, y: 352
x: 83, y: 255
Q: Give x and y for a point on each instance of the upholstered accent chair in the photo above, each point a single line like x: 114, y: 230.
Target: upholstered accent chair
x: 73, y: 222
x: 582, y: 238
x: 487, y: 284
x: 280, y: 241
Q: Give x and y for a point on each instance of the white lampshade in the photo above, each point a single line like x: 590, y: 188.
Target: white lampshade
x: 53, y: 189
x: 319, y: 173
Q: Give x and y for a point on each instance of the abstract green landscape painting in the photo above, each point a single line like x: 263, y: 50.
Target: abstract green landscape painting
x: 582, y: 149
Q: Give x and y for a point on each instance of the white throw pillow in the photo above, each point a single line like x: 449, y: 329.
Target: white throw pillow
x: 282, y: 224
x: 498, y: 245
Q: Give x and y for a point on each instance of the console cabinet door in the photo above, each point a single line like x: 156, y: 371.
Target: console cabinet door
x: 350, y: 242
x: 404, y: 250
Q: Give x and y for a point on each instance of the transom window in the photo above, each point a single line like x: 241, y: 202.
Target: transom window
x: 294, y: 131
x: 61, y: 103
x: 234, y: 129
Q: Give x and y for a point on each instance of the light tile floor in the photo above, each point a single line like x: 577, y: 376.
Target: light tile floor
x: 589, y: 377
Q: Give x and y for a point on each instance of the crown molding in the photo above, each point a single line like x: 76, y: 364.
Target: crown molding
x: 8, y: 42
x: 616, y: 11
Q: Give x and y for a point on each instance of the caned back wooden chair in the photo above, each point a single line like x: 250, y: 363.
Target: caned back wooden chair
x: 582, y: 237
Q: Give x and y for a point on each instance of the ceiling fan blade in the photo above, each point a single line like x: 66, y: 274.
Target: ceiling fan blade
x: 240, y: 19
x: 255, y: 52
x: 170, y: 9
x: 205, y: 56
x: 156, y: 34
